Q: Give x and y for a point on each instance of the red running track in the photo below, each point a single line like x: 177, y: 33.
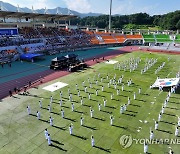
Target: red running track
x: 47, y: 75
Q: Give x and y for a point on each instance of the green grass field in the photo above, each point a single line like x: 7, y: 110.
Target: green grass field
x: 22, y: 134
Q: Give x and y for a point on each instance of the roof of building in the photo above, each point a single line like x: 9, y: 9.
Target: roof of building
x: 9, y: 14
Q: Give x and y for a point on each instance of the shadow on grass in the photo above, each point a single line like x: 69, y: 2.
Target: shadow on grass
x: 93, y: 128
x: 146, y: 94
x: 171, y: 123
x: 140, y: 100
x: 79, y: 112
x: 81, y: 137
x: 98, y: 118
x: 135, y: 105
x: 165, y: 131
x: 61, y: 128
x: 173, y: 102
x: 107, y: 92
x: 57, y: 142
x: 101, y: 148
x: 55, y: 113
x: 112, y: 107
x: 73, y: 120
x: 131, y: 111
x: 132, y: 115
x: 65, y: 106
x: 86, y: 105
x: 44, y: 108
x: 57, y: 147
x: 44, y: 120
x: 106, y: 111
x: 172, y: 108
x: 170, y: 114
x: 119, y: 126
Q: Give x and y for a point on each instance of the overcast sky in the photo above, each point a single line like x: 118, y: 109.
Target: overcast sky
x: 102, y: 6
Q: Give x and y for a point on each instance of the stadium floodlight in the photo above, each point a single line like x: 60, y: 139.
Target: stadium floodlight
x: 110, y: 11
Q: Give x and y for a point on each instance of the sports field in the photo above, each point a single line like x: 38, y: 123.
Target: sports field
x: 23, y: 133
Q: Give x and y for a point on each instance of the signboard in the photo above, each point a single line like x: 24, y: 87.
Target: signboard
x: 166, y: 82
x: 8, y: 31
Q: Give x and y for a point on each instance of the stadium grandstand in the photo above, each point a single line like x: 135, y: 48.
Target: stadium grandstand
x: 22, y: 33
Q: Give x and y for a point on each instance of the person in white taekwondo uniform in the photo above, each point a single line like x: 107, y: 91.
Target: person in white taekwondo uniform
x: 104, y: 100
x: 51, y: 121
x: 49, y: 140
x: 159, y: 117
x: 151, y: 134
x: 118, y: 91
x: 81, y: 120
x: 99, y: 107
x: 177, y: 131
x: 121, y: 109
x: 72, y: 106
x: 85, y: 89
x: 40, y: 103
x: 71, y: 129
x: 96, y: 92
x: 28, y: 110
x: 60, y: 94
x: 92, y: 141
x: 46, y: 133
x: 134, y: 95
x: 111, y: 120
x: 129, y: 101
x: 78, y: 93
x: 89, y: 96
x: 81, y: 100
x: 38, y: 115
x: 145, y: 147
x: 60, y: 102
x: 122, y: 87
x: 51, y: 99
x: 112, y: 96
x: 49, y: 108
x: 178, y: 121
x: 102, y: 88
x: 91, y: 112
x: 62, y: 113
x: 156, y: 125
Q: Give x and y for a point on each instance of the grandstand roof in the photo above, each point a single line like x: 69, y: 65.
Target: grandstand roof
x: 9, y: 14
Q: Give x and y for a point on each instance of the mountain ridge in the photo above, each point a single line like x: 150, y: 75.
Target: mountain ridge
x: 9, y: 7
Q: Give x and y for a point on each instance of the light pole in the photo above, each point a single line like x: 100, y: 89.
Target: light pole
x: 110, y: 15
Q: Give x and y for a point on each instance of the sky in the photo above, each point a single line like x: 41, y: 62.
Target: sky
x: 122, y: 7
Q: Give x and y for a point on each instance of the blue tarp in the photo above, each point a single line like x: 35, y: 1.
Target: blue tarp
x: 30, y: 56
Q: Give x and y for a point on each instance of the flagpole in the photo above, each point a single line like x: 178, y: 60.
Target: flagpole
x: 110, y: 10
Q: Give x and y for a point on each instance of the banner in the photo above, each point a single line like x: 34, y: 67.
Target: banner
x: 166, y: 82
x: 8, y: 31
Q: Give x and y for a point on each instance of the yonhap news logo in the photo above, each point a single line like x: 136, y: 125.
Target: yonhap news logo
x: 127, y: 140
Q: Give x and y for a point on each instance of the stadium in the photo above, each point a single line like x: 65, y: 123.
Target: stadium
x: 68, y: 88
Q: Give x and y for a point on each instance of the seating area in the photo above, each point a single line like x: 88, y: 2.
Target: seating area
x: 162, y: 38
x: 177, y: 39
x: 108, y: 39
x: 136, y: 36
x: 6, y: 55
x: 120, y: 38
x: 148, y: 38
